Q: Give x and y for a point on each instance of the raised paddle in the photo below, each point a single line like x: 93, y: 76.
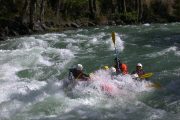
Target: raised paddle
x: 114, y: 41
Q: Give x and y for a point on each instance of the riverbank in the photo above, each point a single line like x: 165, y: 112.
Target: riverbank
x: 27, y: 17
x: 14, y: 28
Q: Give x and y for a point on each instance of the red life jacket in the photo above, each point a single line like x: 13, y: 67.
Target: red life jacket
x: 123, y: 67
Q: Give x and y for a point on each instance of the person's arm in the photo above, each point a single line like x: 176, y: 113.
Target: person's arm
x: 85, y: 77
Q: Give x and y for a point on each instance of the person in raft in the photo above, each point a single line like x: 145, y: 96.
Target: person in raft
x: 78, y: 74
x: 120, y: 67
x: 139, y: 70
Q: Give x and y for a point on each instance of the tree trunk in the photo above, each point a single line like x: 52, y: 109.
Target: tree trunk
x: 42, y: 4
x: 139, y: 9
x: 124, y: 6
x: 94, y: 5
x: 113, y: 4
x: 91, y: 9
x: 58, y: 9
x: 31, y: 14
x: 67, y: 5
x: 119, y: 5
x: 135, y: 5
x: 24, y: 10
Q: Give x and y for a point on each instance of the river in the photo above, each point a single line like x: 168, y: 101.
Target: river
x: 33, y: 68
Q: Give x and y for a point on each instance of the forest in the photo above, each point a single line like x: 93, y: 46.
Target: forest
x: 20, y: 17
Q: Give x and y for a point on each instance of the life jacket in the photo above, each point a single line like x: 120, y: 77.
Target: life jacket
x: 123, y: 69
x: 77, y: 73
x: 140, y: 72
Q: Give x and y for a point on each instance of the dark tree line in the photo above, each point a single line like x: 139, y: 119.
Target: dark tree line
x: 31, y: 11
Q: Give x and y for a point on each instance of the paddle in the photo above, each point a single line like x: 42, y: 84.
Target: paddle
x: 147, y: 75
x: 114, y: 41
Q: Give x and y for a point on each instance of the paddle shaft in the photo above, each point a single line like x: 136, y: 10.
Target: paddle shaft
x: 116, y: 52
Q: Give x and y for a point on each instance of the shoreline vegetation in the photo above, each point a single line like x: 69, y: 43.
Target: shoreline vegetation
x: 25, y: 17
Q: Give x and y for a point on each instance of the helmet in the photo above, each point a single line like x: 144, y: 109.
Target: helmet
x: 139, y: 65
x: 79, y: 67
x: 106, y: 67
x: 113, y: 69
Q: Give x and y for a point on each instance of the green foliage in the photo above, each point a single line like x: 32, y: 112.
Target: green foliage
x: 126, y: 17
x: 77, y: 9
x: 105, y: 6
x: 78, y: 3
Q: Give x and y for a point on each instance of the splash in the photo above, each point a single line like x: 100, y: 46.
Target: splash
x: 119, y: 43
x: 102, y: 82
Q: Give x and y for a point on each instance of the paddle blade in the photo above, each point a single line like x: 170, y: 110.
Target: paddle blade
x: 113, y: 37
x: 147, y: 75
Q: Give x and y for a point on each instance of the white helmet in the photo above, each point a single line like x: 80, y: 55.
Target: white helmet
x: 79, y: 67
x: 139, y: 64
x: 113, y: 69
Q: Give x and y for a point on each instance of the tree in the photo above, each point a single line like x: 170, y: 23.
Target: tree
x: 139, y: 9
x: 24, y: 10
x: 31, y: 13
x: 113, y: 6
x: 42, y: 4
x: 92, y: 8
x: 124, y: 6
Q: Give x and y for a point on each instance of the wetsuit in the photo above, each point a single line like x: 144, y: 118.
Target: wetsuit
x: 139, y: 72
x: 78, y: 74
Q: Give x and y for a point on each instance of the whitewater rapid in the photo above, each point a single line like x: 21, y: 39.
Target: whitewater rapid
x: 33, y: 70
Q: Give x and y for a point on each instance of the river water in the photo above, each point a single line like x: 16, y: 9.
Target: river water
x: 33, y: 68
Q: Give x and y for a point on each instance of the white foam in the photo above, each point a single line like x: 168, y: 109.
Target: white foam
x: 82, y: 36
x: 147, y: 24
x: 93, y: 41
x: 72, y: 47
x: 118, y: 86
x: 30, y: 42
x: 9, y: 88
x: 14, y: 96
x: 148, y: 46
x: 119, y: 43
x: 163, y: 52
x: 65, y: 54
x: 53, y: 35
x: 70, y: 40
x: 8, y: 72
